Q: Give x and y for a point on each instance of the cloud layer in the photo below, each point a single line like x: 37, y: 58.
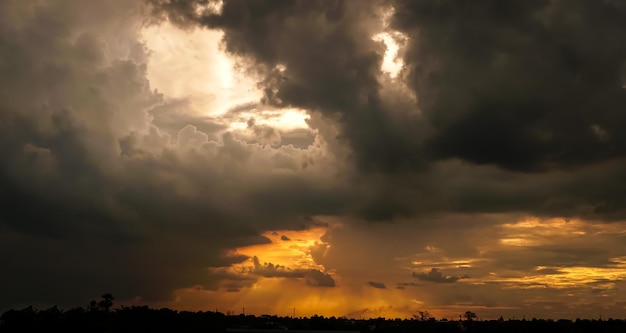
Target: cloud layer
x: 501, y: 110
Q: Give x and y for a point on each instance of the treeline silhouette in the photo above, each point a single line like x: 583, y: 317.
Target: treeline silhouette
x: 101, y: 317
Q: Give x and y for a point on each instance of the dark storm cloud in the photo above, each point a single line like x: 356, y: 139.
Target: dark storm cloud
x: 332, y: 64
x: 434, y: 275
x: 518, y: 102
x: 318, y: 278
x: 525, y: 85
x: 528, y: 259
x: 377, y: 285
x: 97, y: 196
x: 108, y: 188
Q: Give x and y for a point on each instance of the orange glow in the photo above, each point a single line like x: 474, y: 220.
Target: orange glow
x: 351, y: 296
x: 293, y: 253
x: 569, y: 277
x: 354, y: 297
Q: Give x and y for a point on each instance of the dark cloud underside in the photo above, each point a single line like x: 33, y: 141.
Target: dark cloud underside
x: 377, y: 285
x: 435, y: 275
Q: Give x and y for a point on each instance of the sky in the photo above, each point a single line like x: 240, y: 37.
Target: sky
x: 330, y: 157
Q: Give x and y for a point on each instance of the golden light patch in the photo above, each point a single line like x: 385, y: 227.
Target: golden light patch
x: 536, y: 231
x: 287, y: 248
x: 393, y: 40
x: 211, y: 7
x: 287, y: 295
x: 392, y: 63
x: 518, y: 241
x: 285, y: 119
x: 568, y: 277
x: 439, y: 259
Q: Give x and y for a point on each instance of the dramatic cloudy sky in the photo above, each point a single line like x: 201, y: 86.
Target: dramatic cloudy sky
x: 348, y: 158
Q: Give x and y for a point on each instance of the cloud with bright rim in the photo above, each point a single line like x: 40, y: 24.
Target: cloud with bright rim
x: 347, y: 158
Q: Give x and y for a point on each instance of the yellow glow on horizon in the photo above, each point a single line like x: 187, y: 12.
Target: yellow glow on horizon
x: 282, y: 296
x: 354, y: 297
x: 568, y: 277
x: 351, y: 297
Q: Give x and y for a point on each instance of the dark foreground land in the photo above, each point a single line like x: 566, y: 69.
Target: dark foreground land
x: 144, y: 319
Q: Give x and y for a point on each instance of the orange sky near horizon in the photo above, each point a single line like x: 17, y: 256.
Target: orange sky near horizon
x: 405, y: 284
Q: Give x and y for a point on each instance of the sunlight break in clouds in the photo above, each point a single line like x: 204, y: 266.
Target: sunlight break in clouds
x: 191, y: 65
x: 392, y: 60
x: 288, y: 248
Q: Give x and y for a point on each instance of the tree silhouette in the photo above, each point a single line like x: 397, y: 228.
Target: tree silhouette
x: 106, y: 302
x: 469, y: 315
x: 422, y: 315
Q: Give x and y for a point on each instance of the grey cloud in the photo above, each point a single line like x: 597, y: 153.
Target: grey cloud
x: 518, y: 84
x: 434, y: 275
x: 494, y: 81
x: 331, y: 62
x: 297, y: 138
x: 319, y: 279
x: 377, y: 285
x: 403, y: 285
x: 172, y: 115
x: 517, y: 106
x: 285, y: 238
x: 312, y: 277
x: 548, y: 271
x: 263, y: 134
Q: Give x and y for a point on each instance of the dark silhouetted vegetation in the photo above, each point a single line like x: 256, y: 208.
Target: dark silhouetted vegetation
x: 99, y: 316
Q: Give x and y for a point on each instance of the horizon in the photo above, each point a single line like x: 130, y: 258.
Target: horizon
x: 231, y: 313
x: 337, y: 157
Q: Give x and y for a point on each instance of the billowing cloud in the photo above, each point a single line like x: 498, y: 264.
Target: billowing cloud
x: 317, y: 278
x: 498, y: 107
x: 111, y: 187
x: 500, y: 127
